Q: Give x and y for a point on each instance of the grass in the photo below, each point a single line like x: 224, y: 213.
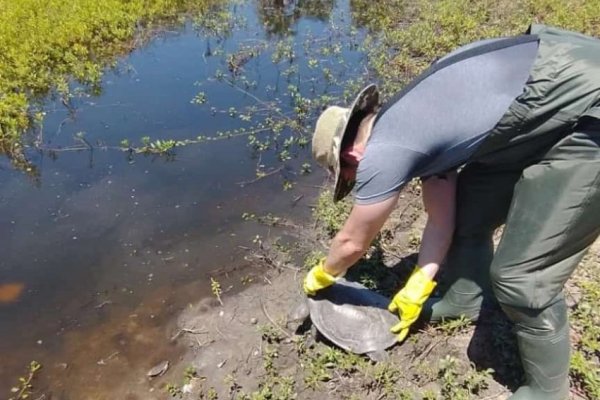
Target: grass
x: 585, y: 321
x: 461, y: 385
x: 51, y: 46
x: 407, y: 37
x: 215, y: 288
x: 329, y: 215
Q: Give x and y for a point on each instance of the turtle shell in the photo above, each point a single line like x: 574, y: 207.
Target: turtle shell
x: 353, y: 317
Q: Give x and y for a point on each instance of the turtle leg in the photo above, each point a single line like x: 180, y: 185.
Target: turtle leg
x: 298, y: 318
x: 378, y: 355
x: 311, y: 340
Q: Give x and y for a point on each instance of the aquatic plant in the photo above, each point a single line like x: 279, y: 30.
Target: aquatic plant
x: 52, y: 46
x: 25, y: 386
x: 42, y: 55
x: 215, y: 288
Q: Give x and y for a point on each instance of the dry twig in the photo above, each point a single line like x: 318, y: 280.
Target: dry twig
x: 427, y: 350
x: 275, y: 324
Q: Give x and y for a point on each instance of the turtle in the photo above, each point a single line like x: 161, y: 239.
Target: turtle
x: 352, y: 317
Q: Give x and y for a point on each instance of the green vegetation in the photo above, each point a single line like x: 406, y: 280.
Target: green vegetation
x: 330, y: 215
x: 173, y: 390
x: 46, y: 46
x: 408, y: 36
x: 25, y: 387
x: 585, y: 320
x: 177, y: 390
x: 453, y: 326
x: 215, y: 288
x: 461, y: 385
x: 189, y: 374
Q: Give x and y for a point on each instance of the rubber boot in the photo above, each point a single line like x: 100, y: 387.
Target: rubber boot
x: 463, y: 298
x: 543, y: 339
x: 467, y: 276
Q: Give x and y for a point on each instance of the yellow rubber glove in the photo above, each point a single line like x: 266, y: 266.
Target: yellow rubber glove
x: 409, y: 301
x: 317, y: 279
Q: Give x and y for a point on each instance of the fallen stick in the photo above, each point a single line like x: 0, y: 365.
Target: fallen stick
x: 190, y: 331
x: 275, y: 324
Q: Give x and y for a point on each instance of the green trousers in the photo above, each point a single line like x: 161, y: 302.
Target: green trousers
x: 552, y: 214
x: 535, y: 172
x: 538, y: 173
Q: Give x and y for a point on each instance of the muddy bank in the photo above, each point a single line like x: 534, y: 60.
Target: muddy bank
x: 242, y: 344
x: 249, y: 348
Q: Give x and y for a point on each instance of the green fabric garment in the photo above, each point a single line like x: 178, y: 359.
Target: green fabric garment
x: 564, y: 87
x: 549, y: 137
x: 539, y: 173
x: 554, y: 217
x: 541, y: 163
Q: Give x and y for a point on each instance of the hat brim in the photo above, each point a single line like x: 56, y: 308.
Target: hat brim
x: 366, y: 101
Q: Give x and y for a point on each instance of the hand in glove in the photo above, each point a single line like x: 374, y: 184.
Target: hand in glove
x: 317, y: 279
x: 409, y: 301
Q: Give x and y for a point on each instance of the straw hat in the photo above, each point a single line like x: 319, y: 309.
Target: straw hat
x: 333, y: 129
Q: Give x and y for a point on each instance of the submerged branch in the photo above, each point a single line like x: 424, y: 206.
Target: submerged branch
x: 261, y: 176
x: 146, y: 148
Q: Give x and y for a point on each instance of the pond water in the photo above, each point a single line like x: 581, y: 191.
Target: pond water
x: 102, y: 251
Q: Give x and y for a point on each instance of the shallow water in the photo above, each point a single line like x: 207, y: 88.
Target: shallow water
x: 102, y: 253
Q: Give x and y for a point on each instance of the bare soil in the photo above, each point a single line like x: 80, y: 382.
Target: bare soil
x: 247, y: 347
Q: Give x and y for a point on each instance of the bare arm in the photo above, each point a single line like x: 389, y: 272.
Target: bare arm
x: 355, y: 237
x: 439, y: 199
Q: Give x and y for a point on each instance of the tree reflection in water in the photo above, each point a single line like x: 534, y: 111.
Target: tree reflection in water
x: 279, y: 17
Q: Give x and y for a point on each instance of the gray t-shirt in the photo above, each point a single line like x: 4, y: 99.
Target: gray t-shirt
x: 437, y: 122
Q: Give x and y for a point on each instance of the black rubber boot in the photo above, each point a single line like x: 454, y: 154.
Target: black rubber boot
x: 543, y: 338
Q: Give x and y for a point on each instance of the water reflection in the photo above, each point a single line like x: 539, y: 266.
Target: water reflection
x: 111, y: 245
x: 279, y: 17
x: 10, y: 292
